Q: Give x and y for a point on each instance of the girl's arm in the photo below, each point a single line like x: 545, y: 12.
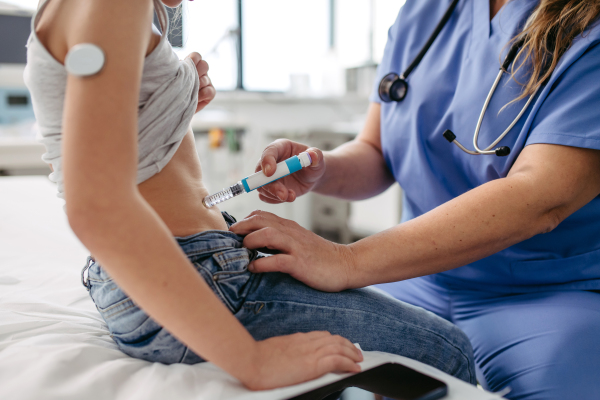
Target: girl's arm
x: 546, y: 184
x: 127, y: 237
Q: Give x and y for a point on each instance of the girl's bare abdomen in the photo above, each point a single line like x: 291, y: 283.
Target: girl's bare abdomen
x: 177, y: 191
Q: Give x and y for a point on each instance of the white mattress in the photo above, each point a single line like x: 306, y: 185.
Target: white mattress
x: 53, y: 342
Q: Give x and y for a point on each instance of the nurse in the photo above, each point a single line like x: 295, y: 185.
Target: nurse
x: 507, y: 248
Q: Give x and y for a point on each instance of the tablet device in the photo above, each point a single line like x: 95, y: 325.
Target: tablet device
x: 391, y: 380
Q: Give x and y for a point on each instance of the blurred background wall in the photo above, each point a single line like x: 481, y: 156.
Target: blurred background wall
x: 298, y: 69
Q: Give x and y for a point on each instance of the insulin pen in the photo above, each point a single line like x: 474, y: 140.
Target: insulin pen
x: 254, y: 181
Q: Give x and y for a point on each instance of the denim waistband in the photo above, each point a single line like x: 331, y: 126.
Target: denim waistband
x: 194, y: 246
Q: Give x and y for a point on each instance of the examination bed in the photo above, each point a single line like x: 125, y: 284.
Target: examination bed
x: 54, y: 344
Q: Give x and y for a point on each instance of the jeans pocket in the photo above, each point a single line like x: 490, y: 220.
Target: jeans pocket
x: 231, y: 276
x: 117, y: 309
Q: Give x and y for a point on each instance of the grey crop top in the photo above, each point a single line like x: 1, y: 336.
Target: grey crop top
x: 167, y: 102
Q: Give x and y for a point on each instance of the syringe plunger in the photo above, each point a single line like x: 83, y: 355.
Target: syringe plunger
x: 225, y: 194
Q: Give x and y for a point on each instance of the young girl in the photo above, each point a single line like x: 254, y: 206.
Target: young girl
x: 168, y: 277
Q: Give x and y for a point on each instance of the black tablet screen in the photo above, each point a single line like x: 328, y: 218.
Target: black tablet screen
x: 394, y: 381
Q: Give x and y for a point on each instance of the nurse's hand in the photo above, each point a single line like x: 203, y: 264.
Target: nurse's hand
x: 296, y: 184
x: 206, y: 91
x: 317, y: 262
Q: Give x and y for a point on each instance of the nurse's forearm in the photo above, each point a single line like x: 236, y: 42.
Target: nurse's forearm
x: 468, y: 228
x: 546, y: 184
x: 357, y: 170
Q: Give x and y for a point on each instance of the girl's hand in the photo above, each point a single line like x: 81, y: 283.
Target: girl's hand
x: 296, y: 184
x: 206, y: 92
x: 317, y: 262
x: 289, y: 360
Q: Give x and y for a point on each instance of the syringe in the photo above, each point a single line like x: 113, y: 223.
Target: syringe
x: 254, y: 181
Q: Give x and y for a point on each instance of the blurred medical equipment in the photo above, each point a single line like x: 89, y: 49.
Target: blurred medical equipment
x: 15, y: 102
x: 359, y: 80
x: 394, y: 88
x: 15, y: 26
x: 15, y: 105
x: 84, y: 59
x: 254, y: 181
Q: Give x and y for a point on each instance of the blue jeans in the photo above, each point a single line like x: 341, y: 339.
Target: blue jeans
x: 275, y: 304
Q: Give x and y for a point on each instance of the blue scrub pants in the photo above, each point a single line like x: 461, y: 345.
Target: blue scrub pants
x: 542, y: 345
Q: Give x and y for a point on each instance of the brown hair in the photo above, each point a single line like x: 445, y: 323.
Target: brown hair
x: 548, y: 34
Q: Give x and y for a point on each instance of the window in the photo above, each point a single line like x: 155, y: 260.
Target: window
x: 306, y: 45
x: 210, y: 28
x: 297, y: 45
x: 284, y: 40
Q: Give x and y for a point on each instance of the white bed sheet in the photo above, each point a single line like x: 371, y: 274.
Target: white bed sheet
x: 53, y: 342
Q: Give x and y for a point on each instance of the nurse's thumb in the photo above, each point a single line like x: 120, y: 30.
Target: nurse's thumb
x: 276, y: 263
x: 268, y: 165
x: 316, y: 156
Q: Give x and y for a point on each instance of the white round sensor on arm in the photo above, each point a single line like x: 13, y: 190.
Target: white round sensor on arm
x: 84, y: 59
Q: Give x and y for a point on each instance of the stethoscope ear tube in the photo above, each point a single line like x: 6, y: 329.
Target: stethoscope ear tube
x: 394, y: 88
x: 501, y: 151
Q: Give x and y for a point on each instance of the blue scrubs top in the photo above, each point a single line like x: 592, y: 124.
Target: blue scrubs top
x: 447, y: 91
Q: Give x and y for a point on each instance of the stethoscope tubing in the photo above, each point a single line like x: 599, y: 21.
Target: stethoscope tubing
x: 438, y: 28
x: 488, y: 149
x: 393, y: 88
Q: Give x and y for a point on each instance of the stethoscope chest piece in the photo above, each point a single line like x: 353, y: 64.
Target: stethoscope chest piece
x: 392, y: 88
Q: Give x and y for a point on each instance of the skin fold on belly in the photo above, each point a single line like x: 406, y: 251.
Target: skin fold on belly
x: 177, y: 191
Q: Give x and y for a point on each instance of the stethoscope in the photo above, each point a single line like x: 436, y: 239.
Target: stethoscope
x: 394, y: 88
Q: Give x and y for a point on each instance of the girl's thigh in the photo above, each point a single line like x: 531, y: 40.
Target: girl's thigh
x: 541, y: 345
x: 280, y: 305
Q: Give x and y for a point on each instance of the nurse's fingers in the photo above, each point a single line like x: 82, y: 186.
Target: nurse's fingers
x: 277, y: 189
x: 269, y: 200
x: 254, y: 221
x: 269, y: 238
x: 276, y: 263
x: 291, y: 196
x: 264, y: 214
x: 316, y: 156
x: 269, y: 190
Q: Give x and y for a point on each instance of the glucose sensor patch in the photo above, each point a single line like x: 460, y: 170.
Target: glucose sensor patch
x: 84, y: 59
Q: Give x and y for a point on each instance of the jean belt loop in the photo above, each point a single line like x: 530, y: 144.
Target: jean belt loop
x: 229, y: 219
x: 86, y: 281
